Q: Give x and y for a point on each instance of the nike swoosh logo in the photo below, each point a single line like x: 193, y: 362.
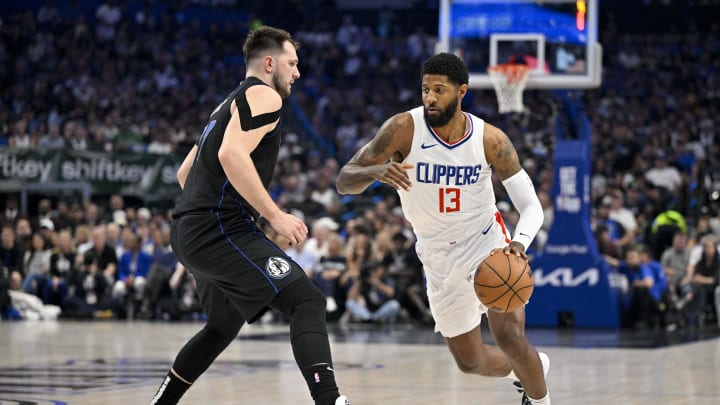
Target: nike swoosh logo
x: 524, y: 234
x: 427, y: 146
x: 487, y: 229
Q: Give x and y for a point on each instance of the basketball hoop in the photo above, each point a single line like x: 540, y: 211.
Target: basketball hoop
x: 509, y: 82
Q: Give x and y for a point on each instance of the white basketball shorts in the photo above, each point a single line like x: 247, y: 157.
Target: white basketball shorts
x: 449, y: 268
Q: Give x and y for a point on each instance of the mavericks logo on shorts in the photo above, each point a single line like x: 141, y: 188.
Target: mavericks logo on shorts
x: 277, y: 267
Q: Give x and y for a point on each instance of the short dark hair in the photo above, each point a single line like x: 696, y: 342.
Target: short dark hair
x: 265, y: 39
x: 446, y: 64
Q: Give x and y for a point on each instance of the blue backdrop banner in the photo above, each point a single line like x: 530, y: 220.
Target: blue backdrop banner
x: 572, y: 281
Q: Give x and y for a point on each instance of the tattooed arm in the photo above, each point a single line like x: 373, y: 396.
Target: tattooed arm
x: 379, y: 159
x: 503, y: 157
x: 500, y: 152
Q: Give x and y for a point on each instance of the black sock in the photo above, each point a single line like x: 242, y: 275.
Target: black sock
x: 321, y: 381
x: 170, y: 391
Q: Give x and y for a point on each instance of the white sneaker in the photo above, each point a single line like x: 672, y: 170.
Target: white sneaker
x: 545, y: 360
x: 342, y: 400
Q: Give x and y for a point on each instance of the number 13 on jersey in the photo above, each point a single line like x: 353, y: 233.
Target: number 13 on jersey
x: 449, y: 199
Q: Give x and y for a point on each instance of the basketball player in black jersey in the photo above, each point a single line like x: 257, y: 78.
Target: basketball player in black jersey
x: 239, y: 272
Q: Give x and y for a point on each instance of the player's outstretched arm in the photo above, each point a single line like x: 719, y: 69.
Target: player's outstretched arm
x: 503, y: 157
x: 380, y: 158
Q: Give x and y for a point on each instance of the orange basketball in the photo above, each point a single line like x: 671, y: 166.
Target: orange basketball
x: 504, y: 283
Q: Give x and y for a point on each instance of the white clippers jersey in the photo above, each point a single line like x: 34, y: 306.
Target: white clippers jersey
x: 452, y: 196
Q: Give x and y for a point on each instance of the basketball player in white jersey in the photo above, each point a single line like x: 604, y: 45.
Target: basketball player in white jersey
x: 440, y: 160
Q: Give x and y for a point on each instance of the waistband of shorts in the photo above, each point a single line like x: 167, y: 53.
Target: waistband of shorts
x: 453, y: 241
x: 444, y: 243
x: 211, y: 214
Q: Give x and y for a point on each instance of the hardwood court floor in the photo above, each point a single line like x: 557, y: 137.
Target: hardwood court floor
x: 121, y: 362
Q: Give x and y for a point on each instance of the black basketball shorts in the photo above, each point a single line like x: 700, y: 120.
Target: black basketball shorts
x: 234, y: 257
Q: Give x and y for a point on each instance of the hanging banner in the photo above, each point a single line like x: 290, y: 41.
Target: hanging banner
x: 127, y: 173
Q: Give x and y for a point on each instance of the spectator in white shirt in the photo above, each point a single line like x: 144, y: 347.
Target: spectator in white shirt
x: 664, y: 175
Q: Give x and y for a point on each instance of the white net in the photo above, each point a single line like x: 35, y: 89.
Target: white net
x: 509, y: 82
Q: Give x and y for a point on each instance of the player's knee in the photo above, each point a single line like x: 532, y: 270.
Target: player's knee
x: 307, y: 305
x: 224, y: 332
x: 475, y: 364
x: 313, y: 304
x: 303, y: 296
x: 471, y: 358
x: 467, y: 367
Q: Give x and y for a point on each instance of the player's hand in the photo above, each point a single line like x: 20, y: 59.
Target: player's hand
x: 515, y: 248
x: 289, y: 226
x: 393, y: 173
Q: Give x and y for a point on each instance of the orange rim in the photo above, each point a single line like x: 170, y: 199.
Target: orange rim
x: 514, y: 73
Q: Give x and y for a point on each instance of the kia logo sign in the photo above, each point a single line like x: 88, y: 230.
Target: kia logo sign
x: 565, y: 277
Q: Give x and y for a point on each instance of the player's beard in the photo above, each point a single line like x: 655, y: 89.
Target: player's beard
x: 445, y: 115
x: 281, y: 88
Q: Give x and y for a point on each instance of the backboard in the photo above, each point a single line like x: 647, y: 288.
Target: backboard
x: 556, y: 39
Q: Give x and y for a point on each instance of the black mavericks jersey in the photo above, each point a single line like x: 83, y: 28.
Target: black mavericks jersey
x: 207, y: 188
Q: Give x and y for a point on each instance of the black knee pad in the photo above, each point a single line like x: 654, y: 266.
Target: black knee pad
x: 224, y: 332
x: 302, y: 294
x: 305, y: 305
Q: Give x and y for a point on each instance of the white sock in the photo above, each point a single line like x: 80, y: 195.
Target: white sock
x: 542, y: 401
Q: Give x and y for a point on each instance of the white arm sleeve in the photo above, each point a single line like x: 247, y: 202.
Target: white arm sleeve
x: 522, y: 193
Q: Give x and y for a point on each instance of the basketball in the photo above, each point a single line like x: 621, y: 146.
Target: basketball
x: 504, y: 283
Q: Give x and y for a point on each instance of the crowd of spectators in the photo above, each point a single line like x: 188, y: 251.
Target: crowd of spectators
x: 655, y: 170
x: 81, y: 260
x: 106, y: 260
x: 113, y: 80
